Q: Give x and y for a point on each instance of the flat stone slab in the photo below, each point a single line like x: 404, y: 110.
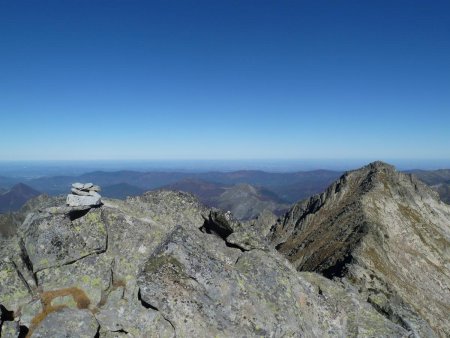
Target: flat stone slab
x: 85, y: 187
x: 79, y: 192
x: 67, y: 322
x: 76, y: 200
x: 52, y: 240
x: 78, y: 185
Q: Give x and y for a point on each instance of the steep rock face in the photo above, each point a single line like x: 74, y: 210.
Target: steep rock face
x: 384, y: 232
x: 163, y: 265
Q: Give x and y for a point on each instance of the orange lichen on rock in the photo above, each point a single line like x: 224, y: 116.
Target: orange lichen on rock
x: 47, y: 297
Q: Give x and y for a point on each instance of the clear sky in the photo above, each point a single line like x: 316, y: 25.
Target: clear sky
x: 179, y: 79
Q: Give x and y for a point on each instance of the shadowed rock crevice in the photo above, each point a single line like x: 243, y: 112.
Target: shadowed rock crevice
x: 22, y: 278
x: 236, y: 235
x: 391, y: 315
x: 152, y: 307
x: 120, y: 331
x: 26, y: 259
x: 75, y: 214
x: 217, y: 224
x: 235, y: 246
x: 145, y: 304
x: 23, y: 331
x: 339, y: 269
x: 6, y: 319
x: 6, y: 315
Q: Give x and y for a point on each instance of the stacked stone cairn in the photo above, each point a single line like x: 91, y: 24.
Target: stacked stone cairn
x: 84, y: 195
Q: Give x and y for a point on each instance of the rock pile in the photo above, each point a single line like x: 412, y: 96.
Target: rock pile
x: 84, y: 195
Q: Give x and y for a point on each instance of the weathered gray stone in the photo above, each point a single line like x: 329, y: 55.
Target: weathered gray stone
x: 79, y: 192
x: 94, y: 194
x: 54, y: 240
x: 87, y: 186
x: 91, y: 275
x: 9, y: 329
x: 121, y: 314
x: 75, y: 200
x: 205, y: 288
x: 67, y: 322
x: 78, y: 185
x: 95, y: 188
x: 169, y: 208
x: 29, y: 311
x: 13, y: 289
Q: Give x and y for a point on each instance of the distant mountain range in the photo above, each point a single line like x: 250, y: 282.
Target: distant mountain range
x: 14, y: 198
x: 121, y: 190
x: 245, y: 192
x: 439, y: 180
x: 243, y: 200
x: 288, y: 186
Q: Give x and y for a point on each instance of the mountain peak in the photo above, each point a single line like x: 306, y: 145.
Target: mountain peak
x: 22, y: 187
x: 376, y: 228
x: 17, y: 196
x: 376, y: 165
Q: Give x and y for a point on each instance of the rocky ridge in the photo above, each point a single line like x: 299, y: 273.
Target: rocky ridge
x: 383, y: 232
x: 164, y: 265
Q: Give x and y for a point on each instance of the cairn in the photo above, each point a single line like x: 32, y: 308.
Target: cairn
x: 84, y: 195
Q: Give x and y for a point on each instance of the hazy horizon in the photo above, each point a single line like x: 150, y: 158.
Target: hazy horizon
x: 55, y: 168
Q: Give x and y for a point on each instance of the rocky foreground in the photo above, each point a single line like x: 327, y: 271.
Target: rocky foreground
x: 369, y: 257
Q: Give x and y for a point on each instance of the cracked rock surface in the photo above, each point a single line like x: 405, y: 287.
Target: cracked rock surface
x: 164, y: 265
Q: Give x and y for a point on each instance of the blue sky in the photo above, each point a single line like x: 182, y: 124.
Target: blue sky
x: 93, y: 80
